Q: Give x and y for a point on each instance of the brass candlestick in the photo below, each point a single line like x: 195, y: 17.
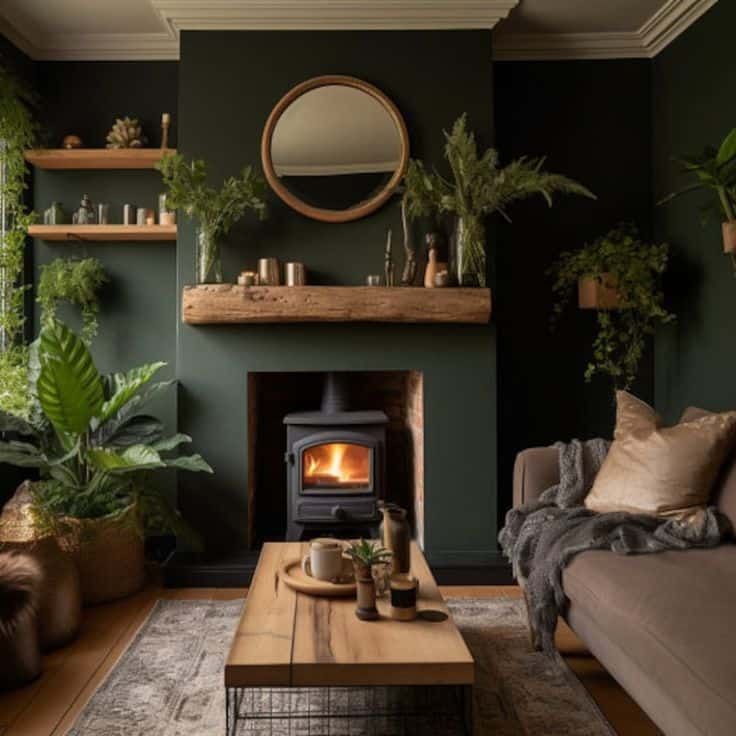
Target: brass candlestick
x: 165, y: 123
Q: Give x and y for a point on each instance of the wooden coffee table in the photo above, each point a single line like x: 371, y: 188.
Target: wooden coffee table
x: 287, y: 640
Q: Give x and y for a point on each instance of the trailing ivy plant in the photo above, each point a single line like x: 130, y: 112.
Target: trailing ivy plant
x: 77, y: 282
x: 17, y: 133
x: 478, y: 187
x: 635, y: 268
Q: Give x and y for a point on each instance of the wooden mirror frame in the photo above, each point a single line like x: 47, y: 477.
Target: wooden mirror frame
x: 363, y: 208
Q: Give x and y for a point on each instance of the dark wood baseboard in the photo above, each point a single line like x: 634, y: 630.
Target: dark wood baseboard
x: 236, y: 571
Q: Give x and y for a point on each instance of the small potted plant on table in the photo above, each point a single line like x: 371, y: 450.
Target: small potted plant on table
x: 365, y: 555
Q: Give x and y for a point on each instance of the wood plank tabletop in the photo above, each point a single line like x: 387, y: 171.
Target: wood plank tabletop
x: 287, y: 638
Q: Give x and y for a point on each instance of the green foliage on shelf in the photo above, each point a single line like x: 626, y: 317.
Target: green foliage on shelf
x: 77, y: 282
x: 217, y: 210
x: 636, y: 268
x: 479, y: 187
x: 85, y: 434
x: 17, y: 133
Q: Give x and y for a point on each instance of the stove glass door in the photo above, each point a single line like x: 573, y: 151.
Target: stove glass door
x: 337, y: 467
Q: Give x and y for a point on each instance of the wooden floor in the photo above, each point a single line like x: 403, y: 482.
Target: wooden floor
x: 50, y: 705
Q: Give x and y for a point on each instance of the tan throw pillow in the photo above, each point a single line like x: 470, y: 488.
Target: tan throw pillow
x: 661, y: 471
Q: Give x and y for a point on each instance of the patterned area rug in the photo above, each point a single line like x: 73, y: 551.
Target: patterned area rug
x: 170, y: 682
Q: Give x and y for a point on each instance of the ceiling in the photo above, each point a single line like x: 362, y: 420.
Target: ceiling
x: 524, y: 29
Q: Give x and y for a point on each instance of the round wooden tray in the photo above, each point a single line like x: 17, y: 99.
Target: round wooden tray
x: 292, y: 574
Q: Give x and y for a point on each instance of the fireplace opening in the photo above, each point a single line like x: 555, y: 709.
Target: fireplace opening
x: 324, y: 449
x: 336, y: 466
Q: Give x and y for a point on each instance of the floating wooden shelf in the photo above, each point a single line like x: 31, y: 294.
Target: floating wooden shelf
x: 103, y: 233
x: 230, y: 304
x: 96, y: 158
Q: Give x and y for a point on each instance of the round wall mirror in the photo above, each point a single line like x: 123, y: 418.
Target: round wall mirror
x: 335, y: 148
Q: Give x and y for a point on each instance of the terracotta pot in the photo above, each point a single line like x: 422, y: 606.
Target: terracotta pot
x: 729, y: 236
x: 108, y: 553
x: 598, y: 293
x: 60, y: 600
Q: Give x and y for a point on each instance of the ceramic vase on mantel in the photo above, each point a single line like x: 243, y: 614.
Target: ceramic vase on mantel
x: 468, y: 252
x: 207, y: 257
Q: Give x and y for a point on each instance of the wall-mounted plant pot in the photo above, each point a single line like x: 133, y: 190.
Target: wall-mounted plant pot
x: 729, y: 237
x: 598, y: 293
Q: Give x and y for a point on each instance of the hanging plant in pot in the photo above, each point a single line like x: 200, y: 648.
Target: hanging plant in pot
x: 714, y: 170
x: 215, y: 211
x: 621, y: 261
x: 96, y: 455
x: 478, y: 187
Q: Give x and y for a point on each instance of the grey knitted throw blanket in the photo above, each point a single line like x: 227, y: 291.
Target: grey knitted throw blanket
x: 541, y: 538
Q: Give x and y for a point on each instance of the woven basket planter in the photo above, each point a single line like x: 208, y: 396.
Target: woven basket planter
x: 108, y: 553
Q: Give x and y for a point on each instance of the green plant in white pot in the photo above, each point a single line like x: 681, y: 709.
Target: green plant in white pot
x: 714, y: 170
x: 215, y: 211
x: 97, y: 455
x: 478, y: 188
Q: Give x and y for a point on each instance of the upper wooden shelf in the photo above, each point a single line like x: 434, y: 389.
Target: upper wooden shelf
x: 96, y: 158
x: 103, y: 233
x: 230, y: 304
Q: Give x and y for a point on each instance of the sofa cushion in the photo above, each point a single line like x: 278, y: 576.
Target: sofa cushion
x: 666, y: 471
x: 725, y: 489
x: 670, y: 617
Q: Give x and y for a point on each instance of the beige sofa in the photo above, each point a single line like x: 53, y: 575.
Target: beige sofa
x: 662, y: 624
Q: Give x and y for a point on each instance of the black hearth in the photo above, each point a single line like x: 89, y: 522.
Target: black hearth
x: 335, y: 467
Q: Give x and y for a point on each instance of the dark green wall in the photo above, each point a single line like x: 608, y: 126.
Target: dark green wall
x: 694, y: 105
x: 229, y: 82
x: 571, y: 112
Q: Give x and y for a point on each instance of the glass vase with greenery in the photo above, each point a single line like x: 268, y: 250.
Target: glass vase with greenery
x: 94, y: 449
x: 215, y: 211
x: 714, y: 170
x: 17, y: 133
x: 635, y: 269
x: 477, y: 188
x: 77, y: 282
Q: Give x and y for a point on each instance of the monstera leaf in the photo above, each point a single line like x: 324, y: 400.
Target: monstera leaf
x: 69, y: 386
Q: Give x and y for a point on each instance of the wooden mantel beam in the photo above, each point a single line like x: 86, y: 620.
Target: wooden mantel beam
x: 231, y: 304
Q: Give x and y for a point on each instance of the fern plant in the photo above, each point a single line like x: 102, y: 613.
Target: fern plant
x: 77, y: 282
x: 636, y: 269
x: 479, y: 186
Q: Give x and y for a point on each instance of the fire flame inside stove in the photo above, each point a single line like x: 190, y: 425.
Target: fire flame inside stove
x: 337, y: 464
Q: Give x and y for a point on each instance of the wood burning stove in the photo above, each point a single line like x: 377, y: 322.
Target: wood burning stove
x: 335, y: 467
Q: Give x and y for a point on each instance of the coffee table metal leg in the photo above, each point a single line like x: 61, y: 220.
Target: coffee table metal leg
x: 467, y: 702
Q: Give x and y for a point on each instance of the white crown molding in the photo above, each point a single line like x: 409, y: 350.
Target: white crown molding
x: 192, y: 15
x: 674, y: 17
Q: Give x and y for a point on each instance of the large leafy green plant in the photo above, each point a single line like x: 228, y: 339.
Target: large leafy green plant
x: 95, y: 451
x: 635, y: 268
x: 713, y: 170
x: 478, y: 187
x: 17, y: 132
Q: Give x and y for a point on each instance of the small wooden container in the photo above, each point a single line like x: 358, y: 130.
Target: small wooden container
x: 404, y: 589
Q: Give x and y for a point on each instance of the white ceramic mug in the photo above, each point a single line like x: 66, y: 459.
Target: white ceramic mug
x: 324, y: 561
